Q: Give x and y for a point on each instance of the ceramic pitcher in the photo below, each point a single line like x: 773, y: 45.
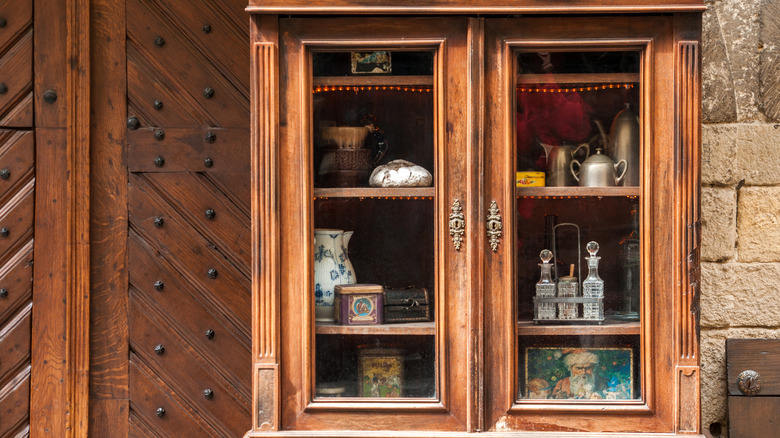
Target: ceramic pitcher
x: 331, y: 268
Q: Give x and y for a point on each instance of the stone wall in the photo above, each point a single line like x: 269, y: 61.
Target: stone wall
x: 741, y: 188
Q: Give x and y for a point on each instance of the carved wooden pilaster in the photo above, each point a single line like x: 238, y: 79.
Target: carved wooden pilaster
x: 688, y: 399
x: 265, y: 232
x: 689, y: 140
x: 688, y: 103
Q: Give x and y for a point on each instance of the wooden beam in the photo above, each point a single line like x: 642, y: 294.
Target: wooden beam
x: 60, y: 353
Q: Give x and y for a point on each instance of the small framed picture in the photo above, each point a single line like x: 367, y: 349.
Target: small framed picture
x: 579, y: 373
x: 371, y: 63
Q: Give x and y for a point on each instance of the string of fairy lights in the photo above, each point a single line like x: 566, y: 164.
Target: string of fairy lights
x: 427, y: 89
x: 429, y: 198
x: 411, y: 89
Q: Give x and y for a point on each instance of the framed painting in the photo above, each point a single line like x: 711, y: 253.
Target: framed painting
x: 579, y: 373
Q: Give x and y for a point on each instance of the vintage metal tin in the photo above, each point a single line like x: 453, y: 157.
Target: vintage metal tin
x: 380, y: 372
x: 529, y: 179
x: 358, y: 304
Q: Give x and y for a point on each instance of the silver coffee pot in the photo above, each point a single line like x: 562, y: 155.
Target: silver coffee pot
x: 624, y: 145
x: 598, y: 171
x: 559, y: 164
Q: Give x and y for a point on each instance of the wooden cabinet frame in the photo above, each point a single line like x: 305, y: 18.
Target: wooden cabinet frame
x: 281, y: 231
x: 661, y: 195
x: 476, y: 353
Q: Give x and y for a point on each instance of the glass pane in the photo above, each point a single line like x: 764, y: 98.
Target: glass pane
x: 374, y: 256
x: 579, y: 175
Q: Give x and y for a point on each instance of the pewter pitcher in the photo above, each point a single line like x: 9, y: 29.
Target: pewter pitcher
x: 598, y: 171
x: 559, y: 164
x: 624, y: 135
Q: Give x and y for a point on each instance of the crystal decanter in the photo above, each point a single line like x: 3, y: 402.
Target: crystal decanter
x: 593, y: 286
x: 545, y: 288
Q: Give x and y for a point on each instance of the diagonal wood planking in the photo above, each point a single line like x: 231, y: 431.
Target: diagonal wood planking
x: 17, y: 185
x: 16, y: 67
x: 16, y: 252
x: 175, y: 51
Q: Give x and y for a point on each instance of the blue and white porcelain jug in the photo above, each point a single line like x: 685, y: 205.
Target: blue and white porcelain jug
x: 331, y: 268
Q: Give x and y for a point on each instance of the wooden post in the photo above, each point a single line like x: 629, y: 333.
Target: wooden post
x: 60, y: 351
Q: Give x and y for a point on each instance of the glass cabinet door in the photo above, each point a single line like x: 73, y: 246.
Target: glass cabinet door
x: 372, y: 161
x: 572, y: 173
x: 374, y: 199
x: 578, y: 201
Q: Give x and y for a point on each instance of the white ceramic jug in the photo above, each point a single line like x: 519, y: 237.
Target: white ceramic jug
x: 331, y: 268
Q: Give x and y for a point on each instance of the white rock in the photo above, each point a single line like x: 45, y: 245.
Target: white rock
x: 400, y: 173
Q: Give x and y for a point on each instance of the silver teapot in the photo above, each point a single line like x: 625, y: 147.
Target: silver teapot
x: 598, y: 171
x: 559, y: 164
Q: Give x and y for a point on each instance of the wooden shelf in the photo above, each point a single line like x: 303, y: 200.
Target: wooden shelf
x: 608, y: 327
x: 410, y: 328
x: 579, y: 78
x: 351, y: 81
x: 375, y: 192
x: 578, y: 191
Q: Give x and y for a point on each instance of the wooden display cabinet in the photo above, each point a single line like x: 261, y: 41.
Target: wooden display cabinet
x: 475, y: 94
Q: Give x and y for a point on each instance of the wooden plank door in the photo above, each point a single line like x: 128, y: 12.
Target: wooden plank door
x: 17, y: 185
x: 188, y: 242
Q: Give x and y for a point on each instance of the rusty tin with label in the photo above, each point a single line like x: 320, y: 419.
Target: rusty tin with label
x: 358, y: 304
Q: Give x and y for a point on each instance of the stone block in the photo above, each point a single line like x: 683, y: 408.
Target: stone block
x: 713, y: 378
x: 758, y: 224
x: 734, y: 294
x: 759, y: 153
x: 739, y: 27
x: 769, y: 59
x: 719, y: 154
x: 719, y: 223
x: 719, y: 103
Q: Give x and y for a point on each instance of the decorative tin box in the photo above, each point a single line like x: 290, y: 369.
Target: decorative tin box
x: 358, y: 304
x: 407, y: 305
x: 380, y: 372
x: 529, y: 179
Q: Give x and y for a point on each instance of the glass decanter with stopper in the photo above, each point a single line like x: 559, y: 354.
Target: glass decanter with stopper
x: 545, y: 288
x: 593, y: 286
x: 628, y: 262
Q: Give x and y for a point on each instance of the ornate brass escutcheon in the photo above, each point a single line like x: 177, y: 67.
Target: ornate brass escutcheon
x: 494, y: 225
x: 749, y: 382
x: 457, y: 224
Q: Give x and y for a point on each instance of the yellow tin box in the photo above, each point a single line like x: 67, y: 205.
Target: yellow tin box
x: 530, y: 179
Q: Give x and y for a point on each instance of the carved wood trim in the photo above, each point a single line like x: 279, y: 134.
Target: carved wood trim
x: 265, y: 232
x: 267, y: 410
x: 265, y: 139
x: 688, y: 396
x: 689, y: 139
x: 474, y: 7
x: 78, y: 108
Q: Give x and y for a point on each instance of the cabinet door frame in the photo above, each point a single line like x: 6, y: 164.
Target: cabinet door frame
x: 283, y: 177
x: 665, y: 173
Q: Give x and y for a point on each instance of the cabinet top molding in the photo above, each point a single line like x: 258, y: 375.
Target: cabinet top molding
x: 374, y: 7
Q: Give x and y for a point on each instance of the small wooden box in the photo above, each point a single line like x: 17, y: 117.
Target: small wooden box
x: 407, y: 305
x: 358, y: 304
